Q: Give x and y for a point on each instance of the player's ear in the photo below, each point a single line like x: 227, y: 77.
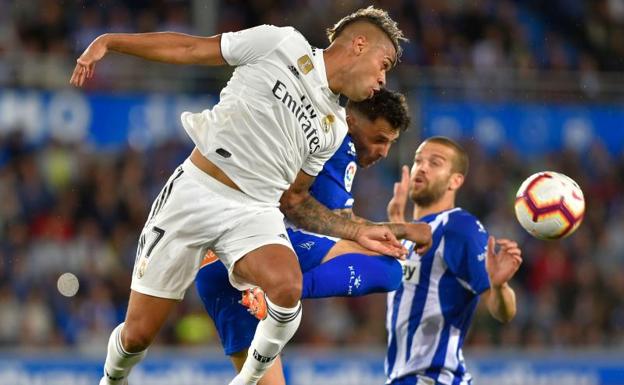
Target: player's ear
x: 359, y: 44
x: 351, y: 122
x: 456, y: 181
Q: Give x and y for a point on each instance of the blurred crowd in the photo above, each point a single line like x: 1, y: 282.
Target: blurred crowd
x: 67, y: 208
x: 570, y: 292
x: 39, y: 40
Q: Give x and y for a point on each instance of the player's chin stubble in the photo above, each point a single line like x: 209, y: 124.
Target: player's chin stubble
x: 429, y: 195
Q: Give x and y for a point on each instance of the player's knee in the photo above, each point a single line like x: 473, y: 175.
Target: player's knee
x: 374, y: 274
x: 285, y: 290
x: 383, y: 273
x: 394, y: 274
x: 135, y: 339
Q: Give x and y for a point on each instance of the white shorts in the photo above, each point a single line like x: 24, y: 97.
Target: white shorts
x: 194, y: 213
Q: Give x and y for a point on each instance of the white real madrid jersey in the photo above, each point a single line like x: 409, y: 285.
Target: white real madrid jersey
x: 276, y: 115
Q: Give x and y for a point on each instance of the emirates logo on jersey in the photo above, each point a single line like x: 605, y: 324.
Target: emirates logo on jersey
x: 303, y: 112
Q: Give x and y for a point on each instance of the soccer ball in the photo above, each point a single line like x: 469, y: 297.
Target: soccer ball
x: 549, y: 205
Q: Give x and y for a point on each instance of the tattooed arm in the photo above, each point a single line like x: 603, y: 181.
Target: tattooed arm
x: 349, y: 214
x: 399, y: 229
x: 306, y: 212
x: 417, y: 232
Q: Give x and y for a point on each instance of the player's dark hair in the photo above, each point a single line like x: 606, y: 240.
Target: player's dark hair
x: 461, y: 162
x: 385, y: 104
x: 375, y: 16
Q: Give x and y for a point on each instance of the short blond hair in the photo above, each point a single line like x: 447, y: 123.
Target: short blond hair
x: 375, y: 16
x: 461, y: 162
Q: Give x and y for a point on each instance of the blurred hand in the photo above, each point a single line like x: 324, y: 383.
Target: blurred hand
x: 420, y: 234
x: 502, y: 266
x: 85, y: 64
x: 380, y: 239
x: 396, y: 206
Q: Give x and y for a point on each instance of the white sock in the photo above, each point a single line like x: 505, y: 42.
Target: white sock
x: 118, y: 361
x: 271, y: 335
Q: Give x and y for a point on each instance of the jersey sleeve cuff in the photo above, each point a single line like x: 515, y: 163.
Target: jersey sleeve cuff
x: 225, y: 48
x: 310, y: 172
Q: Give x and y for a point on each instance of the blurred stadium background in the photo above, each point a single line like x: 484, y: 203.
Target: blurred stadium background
x: 525, y: 85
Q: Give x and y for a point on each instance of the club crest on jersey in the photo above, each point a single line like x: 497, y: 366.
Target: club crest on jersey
x: 305, y: 64
x: 142, y: 266
x: 349, y: 175
x: 352, y: 149
x: 328, y: 122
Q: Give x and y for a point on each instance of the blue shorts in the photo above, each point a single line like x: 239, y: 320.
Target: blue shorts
x: 310, y: 248
x: 235, y: 326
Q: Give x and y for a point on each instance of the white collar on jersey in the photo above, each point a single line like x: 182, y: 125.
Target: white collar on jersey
x: 319, y: 63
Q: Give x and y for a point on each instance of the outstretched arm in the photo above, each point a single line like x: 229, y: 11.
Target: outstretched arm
x: 417, y: 232
x: 501, y: 267
x: 306, y: 212
x: 167, y: 47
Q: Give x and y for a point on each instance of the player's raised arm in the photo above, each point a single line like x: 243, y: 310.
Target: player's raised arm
x: 167, y: 47
x: 396, y: 206
x: 501, y: 267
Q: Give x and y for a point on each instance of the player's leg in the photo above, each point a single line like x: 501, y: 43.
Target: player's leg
x: 273, y: 267
x: 338, y: 268
x: 276, y: 270
x: 348, y: 269
x: 129, y: 341
x: 166, y: 265
x: 235, y: 326
x: 273, y: 376
x: 233, y: 323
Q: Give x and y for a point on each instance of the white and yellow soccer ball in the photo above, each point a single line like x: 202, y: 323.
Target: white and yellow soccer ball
x: 549, y: 205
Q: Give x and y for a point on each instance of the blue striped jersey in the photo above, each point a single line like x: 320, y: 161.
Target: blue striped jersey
x: 428, y: 316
